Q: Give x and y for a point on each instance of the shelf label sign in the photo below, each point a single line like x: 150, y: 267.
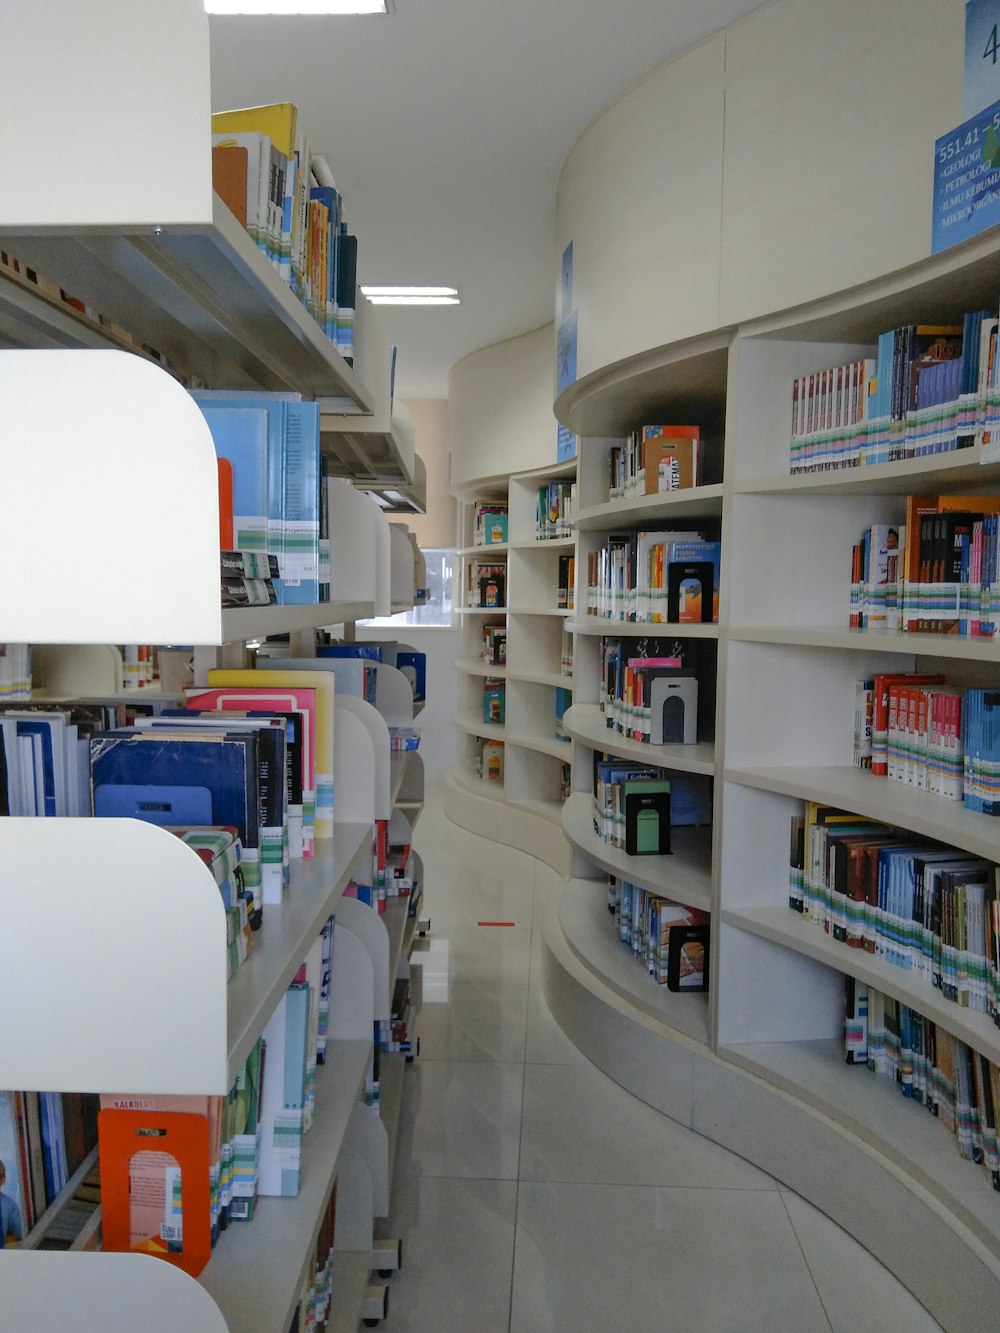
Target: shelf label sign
x: 982, y: 56
x: 967, y: 180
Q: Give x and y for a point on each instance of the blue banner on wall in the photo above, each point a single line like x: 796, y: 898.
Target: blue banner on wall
x: 967, y: 180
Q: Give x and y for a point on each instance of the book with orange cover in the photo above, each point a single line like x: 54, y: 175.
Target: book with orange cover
x: 229, y: 178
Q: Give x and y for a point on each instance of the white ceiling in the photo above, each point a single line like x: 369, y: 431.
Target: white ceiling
x: 446, y: 125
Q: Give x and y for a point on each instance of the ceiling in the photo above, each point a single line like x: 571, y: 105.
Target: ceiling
x: 446, y: 125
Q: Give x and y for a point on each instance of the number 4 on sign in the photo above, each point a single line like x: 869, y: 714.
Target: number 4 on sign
x: 982, y: 56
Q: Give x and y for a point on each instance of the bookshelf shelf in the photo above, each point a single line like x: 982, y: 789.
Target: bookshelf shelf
x: 472, y: 722
x: 871, y: 1108
x: 951, y: 646
x: 684, y: 875
x: 475, y: 666
x: 586, y: 723
x: 963, y: 467
x: 538, y: 544
x: 312, y: 895
x: 856, y: 790
x: 204, y: 296
x: 277, y: 1243
x: 698, y: 502
x: 785, y: 928
x: 642, y: 630
x: 557, y: 679
x: 589, y: 931
x: 252, y: 622
x: 542, y: 744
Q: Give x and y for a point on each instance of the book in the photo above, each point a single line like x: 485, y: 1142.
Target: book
x: 229, y: 178
x: 15, y: 1219
x: 240, y: 437
x: 305, y: 673
x: 297, y: 709
x: 283, y: 1092
x: 170, y: 777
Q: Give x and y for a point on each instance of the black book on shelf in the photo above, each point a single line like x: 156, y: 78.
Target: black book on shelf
x: 687, y: 957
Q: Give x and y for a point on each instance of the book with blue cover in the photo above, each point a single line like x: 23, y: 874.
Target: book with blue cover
x: 300, y: 507
x: 240, y: 434
x: 283, y: 1093
x: 271, y: 783
x: 196, y: 778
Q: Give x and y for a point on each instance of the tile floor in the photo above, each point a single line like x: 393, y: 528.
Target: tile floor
x: 534, y: 1194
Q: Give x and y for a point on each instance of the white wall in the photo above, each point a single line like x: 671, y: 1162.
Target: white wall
x: 788, y: 157
x: 500, y: 408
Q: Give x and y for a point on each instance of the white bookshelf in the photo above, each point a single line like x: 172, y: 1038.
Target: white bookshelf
x: 530, y: 792
x: 154, y: 250
x: 783, y: 712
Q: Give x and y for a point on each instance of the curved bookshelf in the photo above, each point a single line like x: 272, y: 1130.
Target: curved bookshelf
x: 787, y: 663
x: 586, y: 722
x: 588, y: 929
x: 685, y: 875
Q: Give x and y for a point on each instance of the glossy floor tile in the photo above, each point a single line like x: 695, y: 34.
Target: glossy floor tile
x: 603, y: 1257
x: 458, y: 1248
x: 580, y: 1126
x: 461, y: 1118
x: 858, y: 1297
x: 532, y: 1193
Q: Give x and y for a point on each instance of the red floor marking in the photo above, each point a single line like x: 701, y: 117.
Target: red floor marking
x: 494, y: 923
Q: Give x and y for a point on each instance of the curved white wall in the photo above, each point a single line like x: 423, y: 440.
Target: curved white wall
x: 788, y: 157
x: 500, y: 408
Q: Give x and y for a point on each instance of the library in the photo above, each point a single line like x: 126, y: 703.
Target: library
x: 555, y: 879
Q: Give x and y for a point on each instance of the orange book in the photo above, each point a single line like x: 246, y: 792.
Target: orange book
x: 226, y: 536
x: 229, y: 179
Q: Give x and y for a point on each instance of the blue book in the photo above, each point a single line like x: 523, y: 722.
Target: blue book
x: 241, y: 436
x: 269, y: 469
x: 414, y: 667
x: 282, y: 1095
x: 300, y: 507
x: 171, y: 770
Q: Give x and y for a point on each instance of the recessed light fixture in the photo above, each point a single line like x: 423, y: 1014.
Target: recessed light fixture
x: 410, y: 295
x: 297, y: 6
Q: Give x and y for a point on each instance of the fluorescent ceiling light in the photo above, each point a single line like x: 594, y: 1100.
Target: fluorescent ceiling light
x: 410, y: 295
x: 296, y: 6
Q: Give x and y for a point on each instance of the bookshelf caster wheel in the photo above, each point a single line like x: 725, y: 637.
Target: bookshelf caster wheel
x: 375, y: 1307
x: 423, y: 927
x: 387, y: 1257
x: 415, y: 1052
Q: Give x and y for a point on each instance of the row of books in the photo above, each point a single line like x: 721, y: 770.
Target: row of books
x: 651, y: 696
x: 566, y: 591
x: 936, y: 573
x: 44, y: 1139
x: 927, y: 390
x: 632, y: 806
x: 495, y: 642
x: 555, y: 505
x: 490, y: 520
x: 270, y: 441
x: 942, y: 739
x: 287, y: 199
x: 15, y: 670
x: 315, y: 1301
x: 925, y: 908
x: 25, y: 276
x: 179, y: 1197
x: 655, y: 460
x: 486, y: 584
x: 667, y: 938
x: 252, y: 752
x: 655, y: 577
x: 934, y: 1069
